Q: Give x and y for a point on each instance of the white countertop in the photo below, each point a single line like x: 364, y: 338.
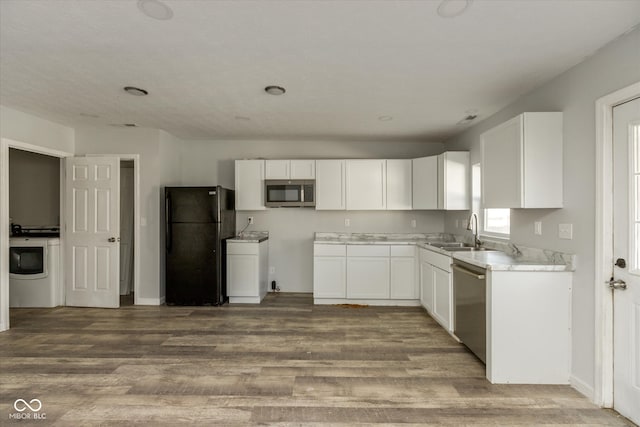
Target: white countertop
x: 500, y: 261
x: 250, y: 237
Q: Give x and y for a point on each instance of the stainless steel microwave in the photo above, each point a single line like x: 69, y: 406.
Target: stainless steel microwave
x: 283, y: 193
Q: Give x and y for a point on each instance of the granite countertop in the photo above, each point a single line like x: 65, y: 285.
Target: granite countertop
x: 496, y: 257
x: 251, y: 237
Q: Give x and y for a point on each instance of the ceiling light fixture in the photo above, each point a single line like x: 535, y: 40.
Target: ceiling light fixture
x: 385, y: 118
x: 471, y: 116
x: 136, y: 91
x: 453, y: 8
x: 155, y: 9
x: 275, y: 90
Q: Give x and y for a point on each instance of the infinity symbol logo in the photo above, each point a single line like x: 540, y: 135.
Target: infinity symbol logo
x: 24, y: 405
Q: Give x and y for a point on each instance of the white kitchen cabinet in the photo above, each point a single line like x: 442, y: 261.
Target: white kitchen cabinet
x: 443, y: 298
x: 404, y: 284
x: 453, y: 180
x: 426, y: 285
x: 249, y: 183
x: 247, y: 280
x: 425, y: 183
x: 522, y: 162
x: 366, y: 184
x: 399, y: 184
x: 329, y: 271
x: 330, y: 185
x: 368, y: 277
x: 290, y: 169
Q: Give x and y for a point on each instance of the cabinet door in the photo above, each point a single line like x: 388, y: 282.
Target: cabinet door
x: 501, y: 165
x: 249, y: 180
x: 442, y: 298
x: 277, y: 169
x: 426, y: 285
x: 425, y: 183
x: 329, y: 277
x: 368, y: 277
x: 242, y: 276
x: 399, y: 190
x: 330, y: 185
x: 303, y: 169
x: 453, y: 180
x: 403, y: 278
x: 366, y: 184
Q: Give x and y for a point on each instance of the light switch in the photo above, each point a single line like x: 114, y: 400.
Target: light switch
x: 537, y: 228
x: 565, y: 231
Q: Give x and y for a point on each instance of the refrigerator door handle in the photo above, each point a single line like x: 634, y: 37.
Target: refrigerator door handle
x: 167, y: 222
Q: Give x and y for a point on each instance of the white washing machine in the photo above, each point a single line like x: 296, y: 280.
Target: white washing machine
x: 34, y: 272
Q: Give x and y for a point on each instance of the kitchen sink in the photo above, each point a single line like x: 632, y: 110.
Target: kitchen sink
x: 447, y: 245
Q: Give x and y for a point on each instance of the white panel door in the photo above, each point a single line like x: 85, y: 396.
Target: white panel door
x: 426, y: 285
x: 425, y: 183
x: 626, y: 238
x: 92, y: 248
x: 403, y: 278
x: 329, y: 277
x: 303, y: 169
x: 368, y: 277
x: 249, y: 180
x: 442, y: 297
x: 242, y: 275
x: 277, y: 169
x: 366, y: 184
x: 399, y: 189
x: 330, y: 185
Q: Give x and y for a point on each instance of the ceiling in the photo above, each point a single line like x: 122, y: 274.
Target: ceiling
x: 353, y: 70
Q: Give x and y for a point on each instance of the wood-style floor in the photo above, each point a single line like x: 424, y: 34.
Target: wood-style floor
x: 284, y: 362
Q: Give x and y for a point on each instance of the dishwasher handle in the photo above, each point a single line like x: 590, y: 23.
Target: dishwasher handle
x: 467, y: 272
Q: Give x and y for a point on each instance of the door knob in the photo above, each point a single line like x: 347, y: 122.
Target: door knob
x: 616, y: 284
x: 113, y: 239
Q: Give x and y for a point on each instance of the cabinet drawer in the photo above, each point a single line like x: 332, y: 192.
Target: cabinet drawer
x: 329, y: 250
x: 242, y: 248
x: 368, y: 250
x: 443, y: 262
x: 404, y: 250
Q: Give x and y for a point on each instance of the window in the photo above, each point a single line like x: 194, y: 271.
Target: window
x: 493, y: 222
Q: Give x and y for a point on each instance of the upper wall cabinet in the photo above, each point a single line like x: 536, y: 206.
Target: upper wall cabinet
x: 249, y: 185
x: 425, y: 183
x: 453, y: 180
x: 290, y: 169
x: 399, y: 186
x: 366, y: 184
x: 522, y: 162
x: 330, y: 185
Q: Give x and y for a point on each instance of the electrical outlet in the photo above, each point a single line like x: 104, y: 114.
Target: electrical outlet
x: 250, y: 220
x: 537, y: 228
x: 347, y: 222
x: 565, y: 231
x: 272, y: 270
x: 414, y: 223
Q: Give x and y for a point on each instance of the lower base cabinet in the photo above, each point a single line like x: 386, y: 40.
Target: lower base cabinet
x: 368, y: 277
x: 247, y: 264
x: 436, y: 287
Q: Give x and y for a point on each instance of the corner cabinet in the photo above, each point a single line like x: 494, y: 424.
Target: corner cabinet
x: 522, y: 162
x: 249, y: 182
x: 247, y: 263
x: 330, y: 185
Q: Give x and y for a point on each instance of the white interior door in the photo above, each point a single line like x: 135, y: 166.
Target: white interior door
x: 626, y: 255
x: 92, y: 249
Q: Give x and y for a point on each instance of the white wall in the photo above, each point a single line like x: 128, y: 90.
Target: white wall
x: 28, y: 128
x: 291, y: 230
x: 575, y: 92
x: 34, y: 188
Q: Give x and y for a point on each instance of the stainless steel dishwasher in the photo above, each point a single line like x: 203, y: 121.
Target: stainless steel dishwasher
x: 470, y: 314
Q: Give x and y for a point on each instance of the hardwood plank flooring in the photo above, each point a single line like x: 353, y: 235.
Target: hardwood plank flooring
x: 283, y: 362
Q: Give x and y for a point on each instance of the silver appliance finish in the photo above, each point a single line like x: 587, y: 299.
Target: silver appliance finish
x: 470, y: 313
x: 284, y: 193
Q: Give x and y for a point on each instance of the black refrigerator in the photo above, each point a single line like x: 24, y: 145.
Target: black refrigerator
x: 197, y: 222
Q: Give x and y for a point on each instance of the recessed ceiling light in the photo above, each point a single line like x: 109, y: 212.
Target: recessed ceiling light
x: 385, y: 118
x: 275, y: 90
x: 155, y: 9
x: 135, y: 91
x: 453, y: 8
x: 471, y: 116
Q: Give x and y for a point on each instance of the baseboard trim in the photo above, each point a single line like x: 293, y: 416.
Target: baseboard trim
x: 149, y: 301
x: 582, y: 387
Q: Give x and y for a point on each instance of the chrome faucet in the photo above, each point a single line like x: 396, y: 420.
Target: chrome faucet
x: 476, y: 241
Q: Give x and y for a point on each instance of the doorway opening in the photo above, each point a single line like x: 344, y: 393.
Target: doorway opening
x: 127, y: 241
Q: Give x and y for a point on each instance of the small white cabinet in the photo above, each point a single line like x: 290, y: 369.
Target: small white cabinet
x: 368, y: 272
x: 436, y: 287
x: 330, y: 185
x: 399, y: 184
x: 290, y: 169
x: 329, y: 271
x: 453, y: 180
x: 426, y: 282
x: 247, y: 280
x: 522, y: 162
x: 249, y: 183
x: 366, y: 184
x: 404, y: 284
x: 425, y: 183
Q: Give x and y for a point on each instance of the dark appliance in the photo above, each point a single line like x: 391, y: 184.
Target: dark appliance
x: 197, y: 222
x: 282, y: 193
